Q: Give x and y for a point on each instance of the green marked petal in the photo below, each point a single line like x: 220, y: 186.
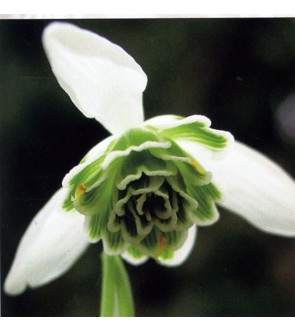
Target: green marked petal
x: 144, y: 194
x: 197, y: 129
x: 93, y: 201
x: 113, y: 243
x: 157, y: 242
x: 135, y: 254
x: 185, y: 217
x: 97, y: 223
x: 178, y: 185
x: 136, y: 139
x: 166, y: 254
x: 206, y: 196
x: 91, y: 174
x: 177, y: 257
x: 97, y: 206
x: 94, y: 227
x: 186, y: 164
x: 138, y: 163
x: 68, y: 203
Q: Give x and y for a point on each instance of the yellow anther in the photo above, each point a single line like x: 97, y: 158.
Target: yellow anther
x: 80, y: 191
x: 197, y: 167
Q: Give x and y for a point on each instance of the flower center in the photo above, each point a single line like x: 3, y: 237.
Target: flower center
x: 145, y: 192
x: 151, y: 215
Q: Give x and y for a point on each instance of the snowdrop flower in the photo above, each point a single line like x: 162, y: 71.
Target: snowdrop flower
x: 145, y: 189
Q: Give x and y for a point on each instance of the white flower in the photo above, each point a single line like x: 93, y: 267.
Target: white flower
x: 145, y: 189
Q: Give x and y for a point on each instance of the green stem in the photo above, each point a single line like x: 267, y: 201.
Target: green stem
x: 108, y: 288
x: 116, y: 298
x: 125, y: 298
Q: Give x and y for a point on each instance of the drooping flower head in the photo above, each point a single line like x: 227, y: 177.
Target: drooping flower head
x: 144, y: 190
x: 152, y: 191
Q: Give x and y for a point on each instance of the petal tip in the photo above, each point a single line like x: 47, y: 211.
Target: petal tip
x: 13, y: 287
x: 257, y: 189
x: 136, y: 262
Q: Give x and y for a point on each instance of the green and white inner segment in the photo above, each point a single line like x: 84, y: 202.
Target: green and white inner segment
x: 144, y: 192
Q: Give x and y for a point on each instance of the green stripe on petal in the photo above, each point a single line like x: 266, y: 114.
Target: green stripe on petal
x: 91, y: 174
x: 206, y: 196
x: 197, y: 129
x: 172, y: 153
x: 97, y: 206
x: 138, y: 163
x: 177, y: 257
x: 185, y: 218
x: 136, y: 139
x: 177, y: 184
x: 166, y: 254
x: 94, y: 227
x: 150, y: 244
x: 68, y: 203
x: 135, y: 253
x: 186, y: 164
x: 113, y: 243
x: 157, y: 242
x: 97, y: 223
x: 95, y: 200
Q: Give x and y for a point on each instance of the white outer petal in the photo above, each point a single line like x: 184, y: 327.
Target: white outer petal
x: 53, y: 242
x: 102, y: 80
x: 253, y: 186
x: 182, y: 253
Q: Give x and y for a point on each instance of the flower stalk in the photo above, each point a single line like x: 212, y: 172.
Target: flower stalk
x: 116, y: 295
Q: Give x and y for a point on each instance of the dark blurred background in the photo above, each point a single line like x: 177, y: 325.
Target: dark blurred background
x: 238, y: 72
